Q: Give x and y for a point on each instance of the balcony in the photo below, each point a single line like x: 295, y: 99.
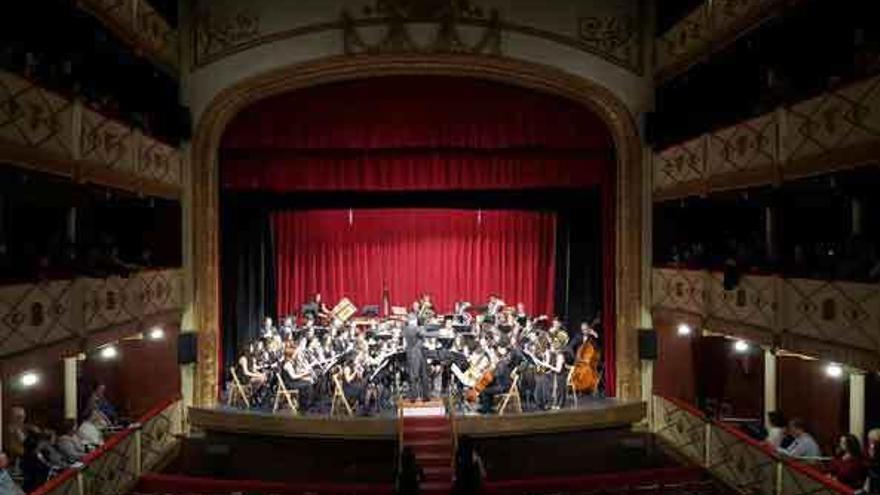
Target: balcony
x: 706, y: 29
x: 836, y: 130
x: 66, y: 314
x: 52, y: 133
x: 138, y: 24
x: 838, y: 321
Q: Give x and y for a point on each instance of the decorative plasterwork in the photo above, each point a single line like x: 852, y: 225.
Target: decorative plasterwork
x: 205, y: 209
x: 137, y: 23
x: 838, y: 129
x: 47, y: 132
x: 615, y: 36
x: 34, y: 316
x: 830, y: 319
x: 707, y: 28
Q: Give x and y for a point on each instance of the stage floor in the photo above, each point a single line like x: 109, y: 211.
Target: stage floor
x: 591, y: 413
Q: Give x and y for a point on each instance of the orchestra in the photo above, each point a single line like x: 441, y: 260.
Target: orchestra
x: 473, y: 356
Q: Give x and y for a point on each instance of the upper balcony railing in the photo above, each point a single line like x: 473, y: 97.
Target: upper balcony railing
x: 838, y: 129
x: 839, y: 321
x: 707, y: 28
x: 137, y: 23
x: 744, y: 464
x: 51, y: 133
x: 72, y: 311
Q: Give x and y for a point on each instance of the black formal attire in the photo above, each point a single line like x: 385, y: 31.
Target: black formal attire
x: 501, y: 381
x: 416, y: 363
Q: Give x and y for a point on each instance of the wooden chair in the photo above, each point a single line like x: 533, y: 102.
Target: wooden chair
x: 569, y: 387
x: 512, y: 396
x: 287, y: 398
x: 239, y: 391
x: 339, y: 404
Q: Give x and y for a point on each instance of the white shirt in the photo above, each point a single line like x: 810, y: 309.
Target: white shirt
x: 775, y: 436
x: 803, y: 446
x: 90, y: 434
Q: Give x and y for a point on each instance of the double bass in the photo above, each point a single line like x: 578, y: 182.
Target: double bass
x: 585, y: 371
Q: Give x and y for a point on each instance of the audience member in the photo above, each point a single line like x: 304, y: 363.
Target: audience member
x: 40, y: 460
x: 70, y: 445
x: 89, y: 430
x: 409, y: 474
x: 776, y: 434
x: 872, y: 483
x: 803, y: 444
x: 16, y: 432
x: 849, y: 465
x: 7, y: 485
x: 469, y: 469
x: 98, y: 402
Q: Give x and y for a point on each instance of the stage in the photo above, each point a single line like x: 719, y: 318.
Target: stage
x: 591, y: 414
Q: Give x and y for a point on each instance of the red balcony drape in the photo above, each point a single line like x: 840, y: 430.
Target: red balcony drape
x: 452, y: 254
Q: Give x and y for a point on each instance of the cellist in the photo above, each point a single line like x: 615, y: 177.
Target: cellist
x: 585, y: 376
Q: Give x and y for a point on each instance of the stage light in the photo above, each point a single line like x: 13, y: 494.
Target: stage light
x: 684, y: 329
x: 834, y: 370
x: 29, y: 379
x: 740, y: 346
x: 109, y: 352
x: 156, y: 333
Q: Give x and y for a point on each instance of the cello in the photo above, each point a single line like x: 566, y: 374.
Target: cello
x: 585, y: 371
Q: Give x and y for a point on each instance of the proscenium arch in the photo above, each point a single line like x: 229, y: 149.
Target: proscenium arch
x: 225, y: 105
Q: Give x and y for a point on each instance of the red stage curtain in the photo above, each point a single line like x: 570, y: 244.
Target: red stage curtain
x: 452, y: 254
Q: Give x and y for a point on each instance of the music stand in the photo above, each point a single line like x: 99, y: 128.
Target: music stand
x: 370, y: 310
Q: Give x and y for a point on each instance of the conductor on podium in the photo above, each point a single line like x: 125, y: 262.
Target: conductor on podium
x: 416, y: 363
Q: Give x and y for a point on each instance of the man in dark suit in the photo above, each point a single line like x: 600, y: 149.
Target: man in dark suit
x: 416, y: 364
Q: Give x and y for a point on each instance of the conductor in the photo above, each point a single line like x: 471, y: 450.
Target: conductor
x: 416, y: 364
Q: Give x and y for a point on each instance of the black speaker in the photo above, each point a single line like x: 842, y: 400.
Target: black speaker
x: 647, y: 344
x: 187, y: 348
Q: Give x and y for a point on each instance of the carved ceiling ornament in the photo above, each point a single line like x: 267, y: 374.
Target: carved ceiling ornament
x: 215, y: 34
x: 617, y: 38
x: 397, y: 15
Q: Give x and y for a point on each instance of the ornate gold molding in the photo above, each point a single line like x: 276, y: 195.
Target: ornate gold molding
x: 617, y: 40
x: 537, y: 77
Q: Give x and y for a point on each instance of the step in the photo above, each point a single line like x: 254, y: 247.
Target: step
x: 427, y: 432
x: 436, y: 487
x: 426, y: 459
x: 438, y: 472
x: 415, y: 444
x: 410, y: 421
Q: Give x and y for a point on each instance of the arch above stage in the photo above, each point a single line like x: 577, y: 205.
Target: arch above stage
x: 205, y: 310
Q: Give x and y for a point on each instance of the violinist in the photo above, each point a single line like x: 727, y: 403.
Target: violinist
x: 507, y: 360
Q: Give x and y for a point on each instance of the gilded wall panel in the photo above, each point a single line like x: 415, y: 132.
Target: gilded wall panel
x: 682, y: 290
x: 34, y: 118
x: 107, y: 143
x: 847, y: 117
x: 749, y: 145
x: 681, y: 164
x: 752, y: 301
x: 34, y: 315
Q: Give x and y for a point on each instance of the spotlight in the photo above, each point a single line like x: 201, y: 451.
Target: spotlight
x: 684, y: 329
x: 156, y: 333
x: 834, y: 370
x: 740, y: 346
x: 109, y: 352
x: 29, y: 379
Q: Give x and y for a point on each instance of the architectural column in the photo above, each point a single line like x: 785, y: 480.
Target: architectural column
x: 2, y: 424
x: 770, y: 392
x: 188, y: 319
x: 70, y: 387
x: 857, y: 404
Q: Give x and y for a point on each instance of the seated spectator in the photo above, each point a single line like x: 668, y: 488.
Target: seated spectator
x: 16, y: 432
x: 803, y: 444
x: 7, y: 486
x: 872, y: 483
x: 40, y: 460
x: 89, y: 430
x: 849, y: 465
x: 98, y: 402
x: 776, y: 434
x: 70, y: 445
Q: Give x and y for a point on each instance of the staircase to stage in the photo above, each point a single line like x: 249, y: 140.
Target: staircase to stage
x: 425, y: 428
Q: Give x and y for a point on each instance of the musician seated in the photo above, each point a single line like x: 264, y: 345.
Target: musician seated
x: 268, y: 329
x: 507, y: 361
x: 323, y: 311
x: 298, y: 375
x: 494, y: 306
x: 287, y: 329
x: 353, y: 382
x: 248, y: 366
